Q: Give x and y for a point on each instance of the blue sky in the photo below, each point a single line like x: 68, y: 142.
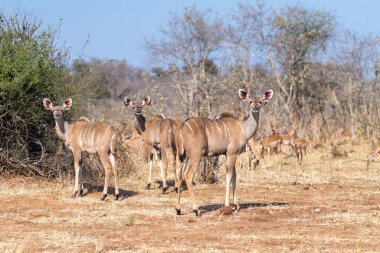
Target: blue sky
x: 116, y: 28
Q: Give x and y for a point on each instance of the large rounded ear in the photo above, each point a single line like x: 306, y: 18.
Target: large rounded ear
x: 127, y: 102
x: 243, y: 94
x: 267, y: 96
x: 47, y: 104
x: 67, y: 104
x: 146, y: 101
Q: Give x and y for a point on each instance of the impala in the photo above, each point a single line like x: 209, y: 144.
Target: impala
x: 158, y: 133
x: 299, y: 145
x: 273, y: 142
x: 85, y: 136
x: 256, y: 151
x: 198, y: 137
x: 376, y: 151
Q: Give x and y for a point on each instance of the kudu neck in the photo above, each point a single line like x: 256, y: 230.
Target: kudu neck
x: 61, y: 127
x: 250, y: 124
x: 140, y: 123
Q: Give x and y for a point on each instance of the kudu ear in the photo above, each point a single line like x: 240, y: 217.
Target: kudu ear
x: 267, y: 96
x: 243, y: 94
x: 127, y: 102
x: 67, y: 104
x: 146, y: 101
x: 47, y: 104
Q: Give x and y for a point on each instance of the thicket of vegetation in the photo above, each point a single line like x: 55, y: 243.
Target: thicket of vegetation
x: 324, y: 76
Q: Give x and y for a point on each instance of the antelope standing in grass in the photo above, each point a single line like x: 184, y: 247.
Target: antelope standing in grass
x: 158, y: 133
x: 198, y: 137
x: 273, y: 142
x: 376, y: 151
x: 299, y: 145
x: 85, y: 136
x: 256, y: 151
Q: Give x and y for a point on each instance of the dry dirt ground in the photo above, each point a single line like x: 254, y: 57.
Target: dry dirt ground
x: 325, y: 205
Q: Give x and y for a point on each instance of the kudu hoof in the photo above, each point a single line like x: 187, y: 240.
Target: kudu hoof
x: 197, y: 212
x: 147, y: 187
x: 81, y: 193
x: 74, y: 195
x: 103, y: 197
x: 117, y: 197
x: 176, y: 189
x: 226, y: 210
x: 178, y: 211
x: 237, y: 207
x: 164, y: 189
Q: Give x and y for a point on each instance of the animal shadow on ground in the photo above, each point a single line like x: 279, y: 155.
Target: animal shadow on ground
x: 214, y: 207
x: 171, y: 183
x: 111, y: 191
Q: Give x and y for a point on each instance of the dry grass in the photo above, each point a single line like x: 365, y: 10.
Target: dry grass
x: 327, y: 204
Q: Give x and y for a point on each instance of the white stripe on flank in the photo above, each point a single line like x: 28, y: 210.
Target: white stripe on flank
x: 196, y: 124
x: 207, y: 132
x: 81, y: 139
x: 84, y: 135
x: 220, y: 130
x: 225, y: 127
x: 187, y: 124
x: 93, y: 136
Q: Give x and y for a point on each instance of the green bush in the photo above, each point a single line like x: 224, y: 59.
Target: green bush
x: 31, y: 68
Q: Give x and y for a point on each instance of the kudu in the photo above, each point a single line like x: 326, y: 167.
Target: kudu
x: 198, y: 137
x: 85, y: 136
x: 376, y: 151
x: 159, y: 133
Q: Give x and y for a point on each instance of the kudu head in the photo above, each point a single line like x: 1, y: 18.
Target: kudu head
x: 57, y: 110
x: 256, y: 102
x: 138, y: 105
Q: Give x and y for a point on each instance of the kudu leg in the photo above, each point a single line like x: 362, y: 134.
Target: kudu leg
x: 230, y: 164
x: 174, y: 164
x: 107, y: 171
x: 150, y: 170
x: 237, y: 206
x: 77, y: 169
x: 164, y: 169
x: 182, y: 167
x: 115, y: 169
x: 188, y: 169
x: 80, y: 173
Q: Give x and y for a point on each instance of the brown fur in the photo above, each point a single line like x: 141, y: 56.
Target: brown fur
x: 255, y: 151
x: 85, y: 136
x: 198, y: 137
x: 299, y: 145
x: 159, y: 134
x: 375, y: 152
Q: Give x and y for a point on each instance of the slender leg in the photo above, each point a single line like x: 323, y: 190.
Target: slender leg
x: 189, y: 174
x: 114, y: 162
x: 164, y: 168
x: 150, y: 170
x: 107, y: 171
x: 230, y: 164
x: 80, y: 172
x: 182, y: 166
x: 77, y: 155
x: 174, y: 164
x: 237, y: 206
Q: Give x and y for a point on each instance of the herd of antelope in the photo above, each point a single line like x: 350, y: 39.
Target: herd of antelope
x: 182, y: 143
